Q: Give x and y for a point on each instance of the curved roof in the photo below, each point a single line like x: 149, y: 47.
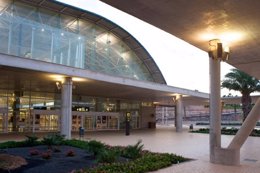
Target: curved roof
x: 128, y: 39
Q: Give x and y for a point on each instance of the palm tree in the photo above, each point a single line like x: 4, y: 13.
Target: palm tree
x: 239, y: 81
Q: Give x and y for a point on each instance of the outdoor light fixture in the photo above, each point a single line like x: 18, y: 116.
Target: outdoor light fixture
x: 217, y: 51
x: 174, y: 99
x: 58, y: 85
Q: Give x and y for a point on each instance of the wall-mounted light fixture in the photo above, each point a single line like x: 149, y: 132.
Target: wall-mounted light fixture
x: 174, y: 99
x: 217, y: 50
x: 58, y: 85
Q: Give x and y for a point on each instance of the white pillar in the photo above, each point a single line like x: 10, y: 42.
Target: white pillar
x: 179, y: 114
x: 66, y: 104
x: 215, y: 108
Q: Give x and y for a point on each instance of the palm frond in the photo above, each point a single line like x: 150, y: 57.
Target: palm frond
x: 239, y: 81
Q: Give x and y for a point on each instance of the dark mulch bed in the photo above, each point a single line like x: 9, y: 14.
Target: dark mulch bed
x: 58, y: 163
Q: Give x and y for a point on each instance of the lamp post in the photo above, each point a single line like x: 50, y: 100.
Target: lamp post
x: 216, y: 54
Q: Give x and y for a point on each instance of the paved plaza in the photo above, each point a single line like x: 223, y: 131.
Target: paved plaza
x: 191, y: 145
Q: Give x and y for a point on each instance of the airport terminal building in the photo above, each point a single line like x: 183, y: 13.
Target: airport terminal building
x: 62, y: 68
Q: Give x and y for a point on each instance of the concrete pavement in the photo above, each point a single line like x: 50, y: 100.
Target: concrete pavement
x: 165, y: 139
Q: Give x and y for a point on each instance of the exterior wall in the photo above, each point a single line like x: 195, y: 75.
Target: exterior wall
x: 147, y: 115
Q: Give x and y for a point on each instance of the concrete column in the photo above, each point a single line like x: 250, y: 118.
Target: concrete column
x: 175, y: 114
x: 215, y: 108
x: 66, y: 104
x: 246, y: 127
x: 179, y: 114
x: 5, y: 120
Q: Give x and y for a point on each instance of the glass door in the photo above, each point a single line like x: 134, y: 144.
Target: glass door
x: 76, y: 122
x: 3, y: 122
x: 53, y: 122
x: 89, y: 123
x: 101, y: 122
x: 113, y: 122
x: 49, y: 122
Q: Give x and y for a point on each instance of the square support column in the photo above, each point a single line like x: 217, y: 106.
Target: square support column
x: 179, y: 113
x: 66, y: 104
x: 228, y: 156
x: 215, y: 108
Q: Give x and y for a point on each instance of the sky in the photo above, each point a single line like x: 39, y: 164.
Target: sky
x: 181, y: 64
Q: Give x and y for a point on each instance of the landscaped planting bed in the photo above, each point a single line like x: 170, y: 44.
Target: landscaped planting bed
x: 53, y: 154
x: 227, y: 131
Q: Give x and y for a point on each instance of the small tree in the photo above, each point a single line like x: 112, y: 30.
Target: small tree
x: 239, y: 81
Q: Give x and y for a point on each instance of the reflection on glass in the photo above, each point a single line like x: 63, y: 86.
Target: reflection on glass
x: 47, y: 36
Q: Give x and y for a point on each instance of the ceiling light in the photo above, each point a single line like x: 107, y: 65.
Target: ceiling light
x: 217, y: 50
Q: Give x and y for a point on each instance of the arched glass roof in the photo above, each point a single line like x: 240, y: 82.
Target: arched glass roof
x: 54, y: 32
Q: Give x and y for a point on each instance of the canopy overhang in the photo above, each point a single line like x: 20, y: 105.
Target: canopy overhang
x: 39, y: 76
x: 198, y: 21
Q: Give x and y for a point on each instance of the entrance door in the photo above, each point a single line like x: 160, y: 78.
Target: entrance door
x: 48, y: 122
x: 89, y: 123
x: 76, y: 122
x: 101, y: 122
x: 113, y: 122
x: 45, y: 120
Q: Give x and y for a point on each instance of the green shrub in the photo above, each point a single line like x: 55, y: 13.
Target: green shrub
x: 58, y: 138
x: 49, y: 141
x: 12, y: 144
x: 76, y: 143
x: 133, y: 151
x: 95, y: 147
x: 53, y: 139
x: 148, y: 162
x: 107, y: 156
x: 31, y: 140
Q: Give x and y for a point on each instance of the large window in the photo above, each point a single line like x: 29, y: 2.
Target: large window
x: 36, y: 33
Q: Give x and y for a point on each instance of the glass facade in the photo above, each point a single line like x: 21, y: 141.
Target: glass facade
x: 36, y: 33
x: 16, y: 107
x: 37, y: 111
x: 40, y: 34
